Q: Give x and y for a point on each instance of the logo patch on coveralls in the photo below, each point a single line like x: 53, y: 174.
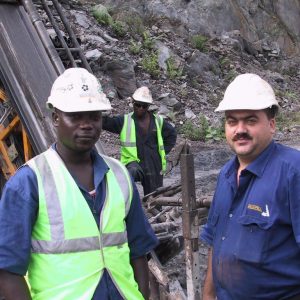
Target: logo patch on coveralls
x: 255, y: 207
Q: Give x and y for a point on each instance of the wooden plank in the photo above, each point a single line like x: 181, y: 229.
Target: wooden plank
x: 190, y: 226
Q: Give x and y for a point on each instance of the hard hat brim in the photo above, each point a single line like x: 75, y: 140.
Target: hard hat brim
x: 78, y: 107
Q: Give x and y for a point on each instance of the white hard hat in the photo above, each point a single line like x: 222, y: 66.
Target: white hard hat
x: 248, y: 92
x: 77, y: 90
x: 142, y: 94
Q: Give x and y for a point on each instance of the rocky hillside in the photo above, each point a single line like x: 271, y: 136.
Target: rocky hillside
x: 188, y: 51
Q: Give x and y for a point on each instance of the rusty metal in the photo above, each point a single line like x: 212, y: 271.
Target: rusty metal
x: 9, y: 153
x: 190, y: 224
x: 2, y: 95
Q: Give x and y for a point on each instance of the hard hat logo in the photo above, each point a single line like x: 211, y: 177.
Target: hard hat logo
x: 248, y: 92
x: 85, y: 87
x: 77, y: 90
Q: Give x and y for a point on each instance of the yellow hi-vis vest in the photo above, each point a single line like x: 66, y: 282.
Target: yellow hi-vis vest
x: 69, y: 252
x: 128, y: 141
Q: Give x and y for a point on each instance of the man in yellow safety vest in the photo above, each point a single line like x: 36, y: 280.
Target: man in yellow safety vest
x: 71, y: 217
x: 145, y: 138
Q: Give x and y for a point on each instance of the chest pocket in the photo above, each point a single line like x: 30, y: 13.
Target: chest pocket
x: 253, y: 238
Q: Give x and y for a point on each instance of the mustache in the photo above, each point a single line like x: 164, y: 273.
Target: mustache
x: 243, y: 135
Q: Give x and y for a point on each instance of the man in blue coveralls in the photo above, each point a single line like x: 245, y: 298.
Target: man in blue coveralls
x: 71, y: 217
x: 253, y: 227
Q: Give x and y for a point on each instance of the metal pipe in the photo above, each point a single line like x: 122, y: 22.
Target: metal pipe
x: 71, y: 34
x: 9, y: 1
x: 71, y: 49
x: 59, y: 35
x: 47, y: 43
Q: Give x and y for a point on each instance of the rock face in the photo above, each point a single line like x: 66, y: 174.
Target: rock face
x: 123, y: 76
x: 264, y: 23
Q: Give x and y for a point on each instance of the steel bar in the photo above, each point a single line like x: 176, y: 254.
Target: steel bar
x: 59, y: 35
x: 71, y: 49
x: 190, y: 225
x: 71, y: 34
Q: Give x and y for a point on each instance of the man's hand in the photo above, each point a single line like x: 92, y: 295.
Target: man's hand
x: 141, y: 274
x: 209, y: 289
x: 13, y: 286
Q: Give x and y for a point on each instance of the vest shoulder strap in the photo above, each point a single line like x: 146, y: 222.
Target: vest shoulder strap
x: 160, y: 120
x: 122, y: 177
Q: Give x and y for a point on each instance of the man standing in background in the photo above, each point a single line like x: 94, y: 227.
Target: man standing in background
x: 145, y: 138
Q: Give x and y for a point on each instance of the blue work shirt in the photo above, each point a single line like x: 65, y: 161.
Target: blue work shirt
x: 254, y: 227
x: 18, y: 212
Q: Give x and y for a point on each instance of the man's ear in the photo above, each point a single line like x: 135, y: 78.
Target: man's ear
x: 55, y: 118
x: 273, y: 125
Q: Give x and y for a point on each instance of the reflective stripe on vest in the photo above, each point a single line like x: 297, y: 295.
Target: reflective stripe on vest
x: 58, y: 243
x: 68, y: 252
x: 128, y: 140
x: 161, y: 149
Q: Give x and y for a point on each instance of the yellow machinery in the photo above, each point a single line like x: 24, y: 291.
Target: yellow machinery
x: 8, y: 149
